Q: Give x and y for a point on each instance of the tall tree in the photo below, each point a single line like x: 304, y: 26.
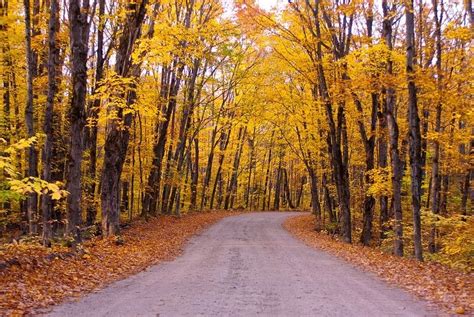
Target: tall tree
x: 435, y: 176
x: 393, y: 131
x: 337, y: 133
x: 368, y: 140
x: 31, y: 62
x: 414, y: 130
x: 79, y: 39
x: 53, y: 72
x: 92, y: 116
x: 118, y: 134
x: 233, y: 182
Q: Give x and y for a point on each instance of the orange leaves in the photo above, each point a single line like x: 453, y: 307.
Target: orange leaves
x: 453, y: 291
x: 33, y: 277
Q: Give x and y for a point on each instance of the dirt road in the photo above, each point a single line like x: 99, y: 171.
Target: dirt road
x: 248, y: 265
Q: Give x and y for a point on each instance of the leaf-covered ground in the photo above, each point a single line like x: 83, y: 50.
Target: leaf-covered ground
x: 453, y: 291
x: 34, y: 277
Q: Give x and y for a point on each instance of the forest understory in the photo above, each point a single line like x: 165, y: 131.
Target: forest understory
x: 32, y: 278
x: 451, y: 290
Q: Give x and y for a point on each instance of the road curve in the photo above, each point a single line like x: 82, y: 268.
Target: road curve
x: 248, y: 265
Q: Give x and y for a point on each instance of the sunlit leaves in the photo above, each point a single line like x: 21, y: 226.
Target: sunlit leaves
x: 39, y: 186
x: 15, y: 187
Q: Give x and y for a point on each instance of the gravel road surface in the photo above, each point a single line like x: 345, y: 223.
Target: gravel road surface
x: 248, y: 265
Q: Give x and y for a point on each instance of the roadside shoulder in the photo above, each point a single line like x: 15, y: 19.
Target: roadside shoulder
x: 451, y: 290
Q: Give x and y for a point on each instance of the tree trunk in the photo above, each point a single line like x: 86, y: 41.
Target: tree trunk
x: 167, y: 173
x: 465, y: 191
x: 79, y: 38
x: 435, y: 177
x: 248, y: 192
x: 414, y: 132
x: 286, y: 189
x: 5, y: 122
x: 369, y: 146
x: 338, y: 137
x: 31, y: 60
x: 210, y: 159
x: 443, y: 203
x: 276, y: 200
x: 393, y: 135
x: 125, y: 198
x: 207, y: 175
x: 315, y: 205
x: 53, y: 72
x: 328, y: 201
x: 185, y: 125
x: 267, y: 174
x: 153, y: 189
x: 382, y: 164
x: 224, y: 142
x: 117, y: 136
x: 231, y: 190
x: 299, y: 194
x: 194, y: 176
x: 92, y: 115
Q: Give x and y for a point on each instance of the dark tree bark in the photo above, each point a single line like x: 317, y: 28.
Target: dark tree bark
x: 170, y: 86
x: 79, y: 38
x: 299, y: 193
x: 276, y: 200
x: 337, y: 135
x: 435, y: 176
x: 185, y: 125
x: 53, y: 72
x: 470, y: 11
x: 310, y: 167
x: 150, y: 197
x: 414, y: 131
x: 393, y: 134
x: 223, y: 143
x: 267, y: 174
x: 117, y: 138
x: 125, y: 198
x: 286, y: 188
x: 31, y: 61
x: 194, y: 175
x: 168, y: 167
x: 315, y: 204
x: 465, y: 191
x: 152, y: 191
x: 328, y: 200
x: 132, y: 168
x: 232, y: 188
x: 5, y: 122
x: 248, y: 192
x: 210, y: 159
x: 92, y: 115
x: 369, y: 146
x: 382, y: 164
x: 443, y: 203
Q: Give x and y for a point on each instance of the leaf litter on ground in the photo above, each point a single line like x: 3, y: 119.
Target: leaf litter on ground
x: 452, y: 291
x: 33, y: 277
